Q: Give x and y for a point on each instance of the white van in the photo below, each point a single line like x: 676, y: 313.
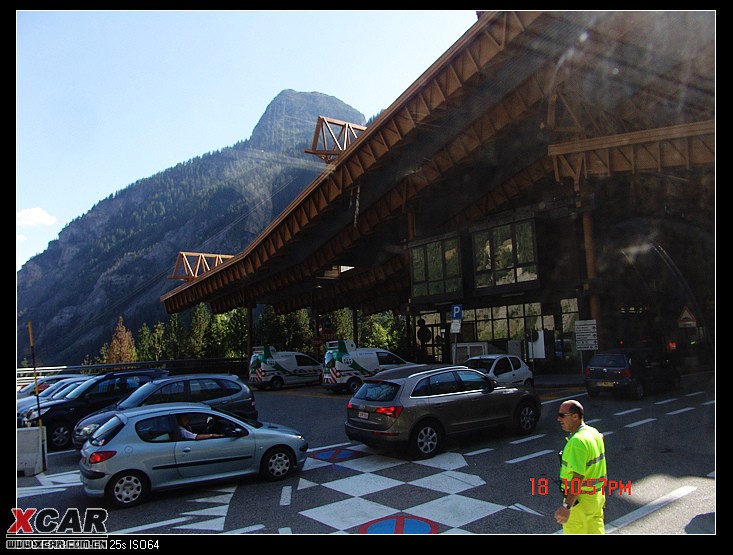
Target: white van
x: 273, y: 369
x: 345, y: 366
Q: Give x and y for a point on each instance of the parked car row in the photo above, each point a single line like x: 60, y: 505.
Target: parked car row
x: 345, y: 366
x: 57, y: 390
x: 41, y: 383
x: 143, y: 444
x: 140, y: 431
x: 59, y: 415
x: 223, y: 391
x: 130, y: 430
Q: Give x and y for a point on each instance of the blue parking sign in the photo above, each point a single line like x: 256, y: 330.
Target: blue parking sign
x: 456, y: 312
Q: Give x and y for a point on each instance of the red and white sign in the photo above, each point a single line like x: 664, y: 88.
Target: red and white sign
x: 687, y: 319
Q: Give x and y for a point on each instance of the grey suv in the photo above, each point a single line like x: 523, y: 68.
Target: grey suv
x: 222, y: 391
x: 418, y: 406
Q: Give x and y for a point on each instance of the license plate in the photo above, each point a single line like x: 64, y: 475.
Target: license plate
x: 605, y: 384
x: 364, y: 415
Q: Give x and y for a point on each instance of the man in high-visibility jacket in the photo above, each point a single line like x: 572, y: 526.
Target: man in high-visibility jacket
x: 582, y: 473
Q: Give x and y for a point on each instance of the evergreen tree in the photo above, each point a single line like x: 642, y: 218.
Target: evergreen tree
x: 341, y: 323
x: 237, y: 332
x: 143, y: 343
x: 157, y: 341
x: 216, y: 339
x: 298, y: 331
x: 268, y: 328
x: 372, y: 332
x: 200, y: 320
x: 101, y: 358
x: 172, y: 338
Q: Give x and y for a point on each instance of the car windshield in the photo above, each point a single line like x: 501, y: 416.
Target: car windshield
x: 31, y: 386
x: 136, y: 397
x: 250, y: 421
x: 480, y: 362
x: 102, y: 434
x: 377, y: 391
x: 60, y: 389
x: 79, y: 390
x: 51, y: 389
x: 613, y: 360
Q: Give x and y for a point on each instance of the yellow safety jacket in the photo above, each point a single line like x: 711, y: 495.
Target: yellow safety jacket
x: 585, y: 454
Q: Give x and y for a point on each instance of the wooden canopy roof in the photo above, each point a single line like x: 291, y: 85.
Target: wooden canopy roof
x: 522, y: 100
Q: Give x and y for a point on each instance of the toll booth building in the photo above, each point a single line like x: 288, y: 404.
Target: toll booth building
x: 549, y: 169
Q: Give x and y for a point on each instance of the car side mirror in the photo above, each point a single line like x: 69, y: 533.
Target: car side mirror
x: 236, y: 432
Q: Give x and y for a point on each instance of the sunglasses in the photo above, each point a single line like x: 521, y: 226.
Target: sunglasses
x: 564, y: 414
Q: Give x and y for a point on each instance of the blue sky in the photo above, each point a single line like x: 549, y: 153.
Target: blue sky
x: 104, y: 98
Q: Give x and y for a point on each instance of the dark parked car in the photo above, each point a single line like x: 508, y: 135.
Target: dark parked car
x: 223, y: 391
x: 57, y: 390
x: 141, y: 450
x: 630, y: 372
x: 59, y: 416
x: 42, y: 382
x: 418, y: 406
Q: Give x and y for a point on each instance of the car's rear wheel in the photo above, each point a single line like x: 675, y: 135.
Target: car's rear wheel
x: 426, y: 439
x: 128, y: 488
x: 276, y: 383
x: 59, y: 435
x: 529, y: 382
x: 277, y: 463
x: 353, y: 385
x: 525, y: 418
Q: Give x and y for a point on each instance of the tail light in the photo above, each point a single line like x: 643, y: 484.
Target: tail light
x: 393, y: 411
x: 627, y: 373
x: 101, y: 456
x: 587, y: 372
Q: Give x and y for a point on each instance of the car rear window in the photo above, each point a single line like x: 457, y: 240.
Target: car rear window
x: 377, y: 391
x: 106, y: 431
x: 614, y: 360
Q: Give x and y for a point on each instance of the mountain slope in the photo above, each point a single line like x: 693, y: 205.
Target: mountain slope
x: 115, y: 259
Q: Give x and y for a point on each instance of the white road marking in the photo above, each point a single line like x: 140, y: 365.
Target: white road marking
x: 681, y: 410
x: 640, y: 422
x: 286, y: 495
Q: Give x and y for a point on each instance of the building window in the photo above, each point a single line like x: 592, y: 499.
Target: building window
x: 505, y: 255
x: 436, y: 268
x: 569, y: 309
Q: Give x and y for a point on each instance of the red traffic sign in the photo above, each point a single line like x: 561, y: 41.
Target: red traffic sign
x: 687, y: 319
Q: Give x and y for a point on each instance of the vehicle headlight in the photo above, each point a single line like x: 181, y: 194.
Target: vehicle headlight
x: 33, y: 414
x: 89, y: 429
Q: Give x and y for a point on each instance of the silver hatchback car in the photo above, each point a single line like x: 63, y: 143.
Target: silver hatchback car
x: 506, y: 369
x: 418, y: 406
x: 144, y: 449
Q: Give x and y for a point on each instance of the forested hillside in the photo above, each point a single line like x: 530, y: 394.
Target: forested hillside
x: 115, y: 259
